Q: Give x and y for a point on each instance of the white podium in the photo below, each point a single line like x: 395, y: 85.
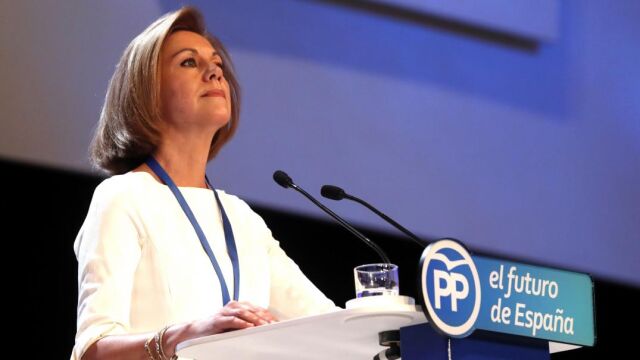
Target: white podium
x: 345, y: 334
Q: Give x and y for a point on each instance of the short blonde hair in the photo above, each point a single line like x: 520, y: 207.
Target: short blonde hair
x: 127, y: 132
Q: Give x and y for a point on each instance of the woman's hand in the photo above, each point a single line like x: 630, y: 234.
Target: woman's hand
x: 235, y: 315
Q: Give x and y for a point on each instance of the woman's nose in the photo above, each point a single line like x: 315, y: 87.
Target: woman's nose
x: 214, y: 72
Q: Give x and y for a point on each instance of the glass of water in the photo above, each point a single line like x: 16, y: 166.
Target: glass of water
x: 376, y: 279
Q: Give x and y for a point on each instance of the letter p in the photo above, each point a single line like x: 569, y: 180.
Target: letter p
x: 450, y: 288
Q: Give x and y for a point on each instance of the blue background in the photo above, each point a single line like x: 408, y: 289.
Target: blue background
x: 525, y: 149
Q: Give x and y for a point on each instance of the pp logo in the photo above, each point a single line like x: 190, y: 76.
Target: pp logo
x: 450, y: 288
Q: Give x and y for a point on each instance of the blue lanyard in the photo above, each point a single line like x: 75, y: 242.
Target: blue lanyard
x: 228, y: 231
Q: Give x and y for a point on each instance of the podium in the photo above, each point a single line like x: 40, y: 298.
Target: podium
x: 351, y: 334
x: 477, y: 308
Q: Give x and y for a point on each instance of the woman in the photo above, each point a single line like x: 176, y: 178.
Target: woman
x: 161, y: 256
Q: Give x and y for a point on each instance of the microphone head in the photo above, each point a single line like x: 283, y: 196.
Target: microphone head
x: 332, y: 192
x: 282, y: 179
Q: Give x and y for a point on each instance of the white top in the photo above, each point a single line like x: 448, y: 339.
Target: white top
x: 141, y: 265
x: 340, y: 335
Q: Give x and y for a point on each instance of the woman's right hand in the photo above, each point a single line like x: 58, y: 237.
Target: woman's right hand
x: 235, y: 315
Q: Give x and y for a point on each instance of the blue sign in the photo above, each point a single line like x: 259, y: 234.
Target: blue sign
x: 461, y: 293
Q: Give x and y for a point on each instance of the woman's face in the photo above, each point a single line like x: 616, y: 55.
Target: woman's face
x: 193, y: 91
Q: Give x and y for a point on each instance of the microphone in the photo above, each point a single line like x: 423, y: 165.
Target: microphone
x: 286, y: 182
x: 336, y: 193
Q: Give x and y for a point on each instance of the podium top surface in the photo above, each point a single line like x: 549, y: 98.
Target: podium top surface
x: 344, y: 334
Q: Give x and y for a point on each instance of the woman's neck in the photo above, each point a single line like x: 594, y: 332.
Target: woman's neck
x: 185, y: 160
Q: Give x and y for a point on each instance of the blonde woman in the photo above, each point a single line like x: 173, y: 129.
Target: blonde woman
x: 162, y: 256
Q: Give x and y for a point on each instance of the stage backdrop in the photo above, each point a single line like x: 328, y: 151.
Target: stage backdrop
x: 522, y: 146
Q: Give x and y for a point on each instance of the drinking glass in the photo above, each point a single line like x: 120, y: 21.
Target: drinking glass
x: 376, y: 279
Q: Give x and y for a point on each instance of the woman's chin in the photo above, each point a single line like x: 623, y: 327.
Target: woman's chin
x: 216, y: 118
x: 219, y: 123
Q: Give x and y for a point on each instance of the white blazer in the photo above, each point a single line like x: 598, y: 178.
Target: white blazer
x: 141, y: 265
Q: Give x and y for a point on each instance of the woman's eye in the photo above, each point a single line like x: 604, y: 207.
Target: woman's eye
x: 190, y: 62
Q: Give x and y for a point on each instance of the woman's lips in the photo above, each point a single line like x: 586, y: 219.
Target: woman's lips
x: 214, y: 93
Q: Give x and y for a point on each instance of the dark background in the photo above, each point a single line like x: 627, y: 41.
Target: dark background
x: 46, y: 208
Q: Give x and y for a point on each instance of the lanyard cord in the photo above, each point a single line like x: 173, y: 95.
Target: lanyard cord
x: 228, y: 232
